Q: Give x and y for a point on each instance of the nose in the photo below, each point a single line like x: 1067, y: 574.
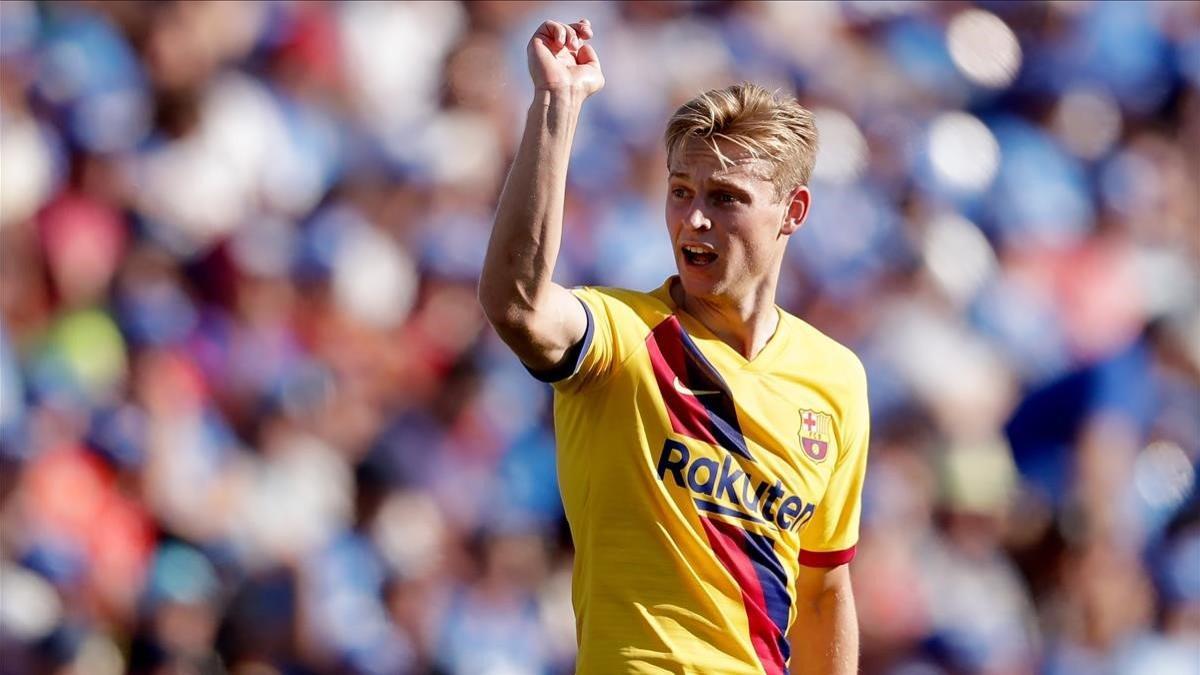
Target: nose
x: 696, y: 220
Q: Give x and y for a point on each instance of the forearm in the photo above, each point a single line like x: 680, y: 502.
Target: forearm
x: 824, y: 638
x: 528, y: 229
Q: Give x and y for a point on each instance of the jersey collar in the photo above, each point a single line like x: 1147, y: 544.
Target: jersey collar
x: 714, y: 347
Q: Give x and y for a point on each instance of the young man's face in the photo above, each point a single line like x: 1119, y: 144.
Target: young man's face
x: 727, y: 224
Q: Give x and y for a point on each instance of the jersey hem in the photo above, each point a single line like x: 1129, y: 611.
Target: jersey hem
x: 827, y: 558
x: 573, y: 359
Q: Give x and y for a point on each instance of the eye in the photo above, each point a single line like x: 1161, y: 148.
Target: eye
x: 725, y: 198
x: 679, y: 193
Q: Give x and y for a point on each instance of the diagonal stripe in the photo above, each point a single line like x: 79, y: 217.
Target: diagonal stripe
x: 730, y: 544
x: 721, y: 411
x: 687, y: 414
x: 709, y: 417
x: 726, y: 511
x: 773, y: 580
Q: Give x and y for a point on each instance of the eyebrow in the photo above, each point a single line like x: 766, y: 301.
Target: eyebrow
x: 719, y: 182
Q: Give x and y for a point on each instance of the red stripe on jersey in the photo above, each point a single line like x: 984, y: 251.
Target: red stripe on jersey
x: 764, y: 635
x: 826, y: 558
x: 699, y: 403
x: 688, y: 415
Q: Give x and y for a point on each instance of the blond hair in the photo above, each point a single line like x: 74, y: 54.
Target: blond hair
x: 768, y: 126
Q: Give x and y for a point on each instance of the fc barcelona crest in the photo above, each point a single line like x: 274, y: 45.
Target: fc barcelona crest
x: 816, y: 432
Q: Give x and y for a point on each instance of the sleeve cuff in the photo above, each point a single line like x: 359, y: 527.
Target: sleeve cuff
x: 569, y: 365
x: 827, y: 558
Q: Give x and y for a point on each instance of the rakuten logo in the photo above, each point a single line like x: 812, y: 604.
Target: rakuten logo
x: 731, y: 491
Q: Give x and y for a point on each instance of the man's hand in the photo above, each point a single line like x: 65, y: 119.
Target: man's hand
x: 559, y: 60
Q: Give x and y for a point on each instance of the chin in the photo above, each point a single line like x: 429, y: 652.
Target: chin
x: 698, y: 284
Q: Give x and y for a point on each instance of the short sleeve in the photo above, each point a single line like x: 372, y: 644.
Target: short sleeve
x: 830, y: 537
x: 594, y: 356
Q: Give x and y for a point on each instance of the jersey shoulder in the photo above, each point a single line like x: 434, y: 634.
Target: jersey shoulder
x: 823, y: 357
x: 624, y: 308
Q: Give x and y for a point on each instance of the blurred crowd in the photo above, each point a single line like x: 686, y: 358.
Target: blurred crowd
x: 251, y: 419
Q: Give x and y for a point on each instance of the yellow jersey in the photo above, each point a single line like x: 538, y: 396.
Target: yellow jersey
x: 696, y: 482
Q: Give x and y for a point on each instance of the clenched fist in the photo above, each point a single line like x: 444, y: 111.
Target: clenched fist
x: 559, y: 59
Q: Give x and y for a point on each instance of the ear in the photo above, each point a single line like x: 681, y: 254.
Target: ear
x: 798, y: 202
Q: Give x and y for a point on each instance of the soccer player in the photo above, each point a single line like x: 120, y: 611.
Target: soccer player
x: 711, y: 446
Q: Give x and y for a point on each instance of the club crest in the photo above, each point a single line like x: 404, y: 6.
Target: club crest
x: 816, y: 432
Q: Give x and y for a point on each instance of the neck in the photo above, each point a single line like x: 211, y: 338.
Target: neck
x: 745, y: 323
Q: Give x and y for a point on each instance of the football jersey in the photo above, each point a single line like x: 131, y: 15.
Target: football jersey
x: 696, y: 482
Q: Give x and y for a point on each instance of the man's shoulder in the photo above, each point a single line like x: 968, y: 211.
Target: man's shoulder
x: 623, y: 303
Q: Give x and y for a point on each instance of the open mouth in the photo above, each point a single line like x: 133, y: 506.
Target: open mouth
x: 698, y: 255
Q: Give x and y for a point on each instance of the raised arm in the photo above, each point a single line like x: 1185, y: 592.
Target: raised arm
x: 538, y: 319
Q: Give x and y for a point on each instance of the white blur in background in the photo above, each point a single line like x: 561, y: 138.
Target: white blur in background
x: 410, y: 531
x: 1088, y: 121
x: 984, y: 48
x: 389, y: 49
x: 373, y: 278
x: 963, y: 151
x: 842, y: 154
x: 22, y: 193
x: 1164, y: 474
x: 31, y: 608
x: 958, y: 256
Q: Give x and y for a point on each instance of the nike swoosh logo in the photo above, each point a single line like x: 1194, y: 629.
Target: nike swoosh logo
x: 692, y: 392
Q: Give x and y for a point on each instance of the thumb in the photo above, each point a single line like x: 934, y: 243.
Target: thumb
x: 587, y: 55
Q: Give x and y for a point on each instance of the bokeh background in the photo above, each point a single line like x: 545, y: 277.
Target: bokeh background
x: 251, y: 417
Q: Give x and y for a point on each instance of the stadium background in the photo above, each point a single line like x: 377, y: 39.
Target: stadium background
x: 251, y: 416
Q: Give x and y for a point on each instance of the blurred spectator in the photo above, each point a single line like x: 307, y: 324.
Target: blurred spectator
x: 251, y: 420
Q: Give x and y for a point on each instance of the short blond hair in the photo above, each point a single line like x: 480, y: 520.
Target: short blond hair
x: 769, y: 126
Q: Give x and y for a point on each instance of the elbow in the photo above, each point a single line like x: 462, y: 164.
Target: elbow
x: 497, y: 316
x: 501, y: 310
x: 491, y: 296
x: 494, y: 293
